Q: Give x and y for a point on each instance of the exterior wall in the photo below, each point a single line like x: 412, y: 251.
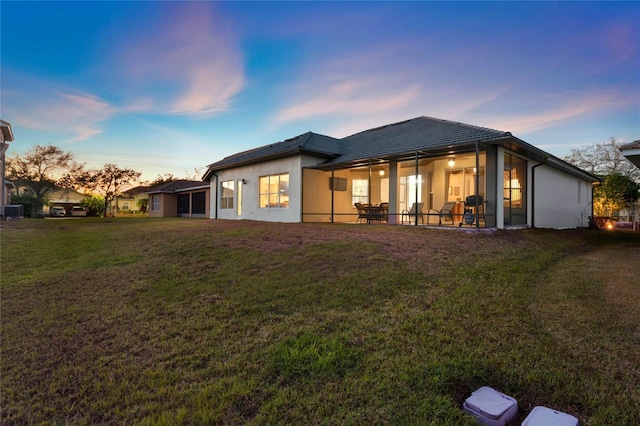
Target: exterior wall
x: 250, y: 207
x: 168, y: 206
x: 316, y: 199
x: 560, y: 201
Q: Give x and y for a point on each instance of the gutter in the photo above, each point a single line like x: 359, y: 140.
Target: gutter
x: 215, y: 195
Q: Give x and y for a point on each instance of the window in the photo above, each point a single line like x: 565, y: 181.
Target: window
x: 226, y: 194
x: 274, y: 191
x: 125, y: 206
x: 155, y: 202
x: 359, y: 191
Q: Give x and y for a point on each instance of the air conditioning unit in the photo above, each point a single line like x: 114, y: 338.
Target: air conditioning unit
x: 12, y: 211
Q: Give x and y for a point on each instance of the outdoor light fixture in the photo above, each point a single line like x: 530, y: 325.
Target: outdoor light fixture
x: 381, y: 172
x: 452, y: 162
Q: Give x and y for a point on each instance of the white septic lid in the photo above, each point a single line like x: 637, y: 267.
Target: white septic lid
x: 489, y: 402
x: 543, y: 416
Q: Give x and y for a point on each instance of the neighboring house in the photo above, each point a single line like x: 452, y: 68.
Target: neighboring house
x: 181, y: 198
x: 128, y: 200
x: 62, y: 197
x: 431, y: 162
x: 632, y: 152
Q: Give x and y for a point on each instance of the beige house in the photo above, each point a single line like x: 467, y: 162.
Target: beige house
x: 420, y: 171
x: 128, y: 201
x: 179, y: 198
x: 67, y: 198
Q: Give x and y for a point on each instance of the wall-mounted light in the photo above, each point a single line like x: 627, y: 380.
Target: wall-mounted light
x: 381, y: 172
x: 452, y: 162
x: 244, y: 182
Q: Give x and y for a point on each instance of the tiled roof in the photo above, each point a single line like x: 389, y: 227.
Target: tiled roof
x: 176, y: 186
x: 397, y: 139
x: 422, y: 133
x: 308, y: 142
x: 137, y: 190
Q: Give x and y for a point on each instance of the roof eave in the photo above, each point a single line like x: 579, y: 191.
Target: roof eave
x: 7, y: 132
x: 285, y: 154
x: 519, y: 146
x: 466, y: 146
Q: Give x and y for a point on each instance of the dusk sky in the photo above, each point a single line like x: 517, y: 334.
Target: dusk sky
x: 167, y: 87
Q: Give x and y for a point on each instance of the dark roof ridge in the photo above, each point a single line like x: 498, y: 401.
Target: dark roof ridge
x: 458, y: 123
x: 307, y: 135
x: 381, y: 127
x: 473, y: 126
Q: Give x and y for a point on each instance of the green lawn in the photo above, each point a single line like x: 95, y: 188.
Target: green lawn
x: 175, y: 321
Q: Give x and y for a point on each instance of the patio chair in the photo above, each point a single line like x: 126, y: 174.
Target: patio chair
x: 381, y: 213
x: 363, y: 212
x: 445, y: 212
x: 414, y: 211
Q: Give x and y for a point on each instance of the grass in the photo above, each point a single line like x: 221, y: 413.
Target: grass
x: 173, y: 321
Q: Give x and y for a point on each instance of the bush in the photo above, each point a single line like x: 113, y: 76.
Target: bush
x: 29, y: 204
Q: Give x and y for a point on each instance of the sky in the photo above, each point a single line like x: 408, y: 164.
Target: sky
x: 170, y: 87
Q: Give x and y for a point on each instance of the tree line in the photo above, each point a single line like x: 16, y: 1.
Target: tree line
x: 44, y: 169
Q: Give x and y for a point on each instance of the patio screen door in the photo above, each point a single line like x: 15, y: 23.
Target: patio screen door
x: 515, y: 184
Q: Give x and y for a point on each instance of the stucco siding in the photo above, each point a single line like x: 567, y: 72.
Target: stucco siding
x: 249, y: 195
x: 560, y: 201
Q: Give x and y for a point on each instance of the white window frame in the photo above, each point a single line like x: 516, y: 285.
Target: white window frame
x: 226, y: 197
x: 270, y: 199
x: 359, y: 191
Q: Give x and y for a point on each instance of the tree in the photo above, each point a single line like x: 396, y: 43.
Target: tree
x: 616, y: 192
x: 195, y: 174
x: 94, y: 205
x: 603, y: 159
x: 621, y: 178
x: 107, y: 182
x: 143, y: 204
x: 167, y: 177
x: 39, y: 171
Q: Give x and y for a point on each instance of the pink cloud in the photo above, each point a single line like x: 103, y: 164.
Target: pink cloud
x: 622, y: 40
x: 560, y: 109
x: 349, y: 97
x: 192, y: 57
x: 46, y: 106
